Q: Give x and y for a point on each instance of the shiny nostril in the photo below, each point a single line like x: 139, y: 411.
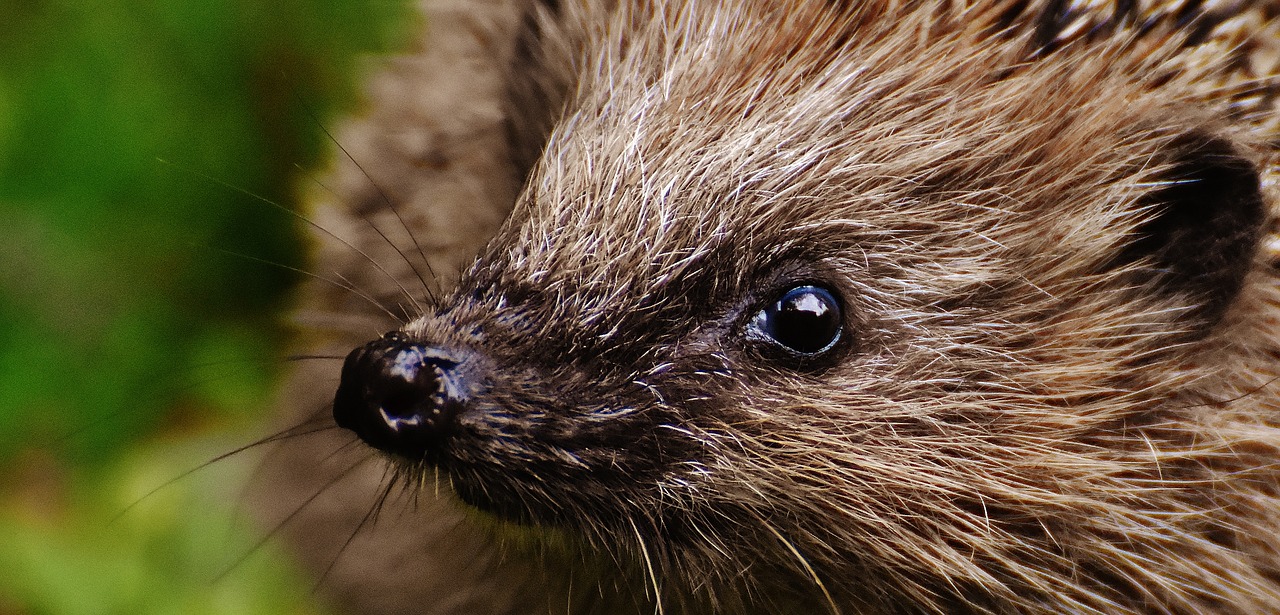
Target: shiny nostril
x: 398, y: 396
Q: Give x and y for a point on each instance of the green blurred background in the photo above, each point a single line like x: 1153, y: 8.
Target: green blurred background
x: 133, y: 345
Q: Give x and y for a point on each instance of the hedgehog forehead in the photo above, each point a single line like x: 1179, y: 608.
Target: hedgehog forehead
x: 670, y: 177
x: 650, y: 181
x: 624, y: 253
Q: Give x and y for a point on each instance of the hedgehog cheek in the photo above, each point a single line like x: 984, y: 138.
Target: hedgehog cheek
x: 1207, y: 218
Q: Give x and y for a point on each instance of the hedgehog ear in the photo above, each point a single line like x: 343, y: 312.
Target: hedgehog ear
x: 1206, y: 220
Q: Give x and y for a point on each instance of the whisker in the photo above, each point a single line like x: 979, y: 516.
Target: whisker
x: 341, y: 283
x: 158, y: 391
x: 365, y: 218
x: 359, y: 527
x: 382, y: 500
x: 276, y: 529
x: 293, y: 358
x: 311, y: 357
x: 289, y: 432
x: 390, y: 205
x: 337, y: 451
x: 298, y: 216
x: 321, y: 416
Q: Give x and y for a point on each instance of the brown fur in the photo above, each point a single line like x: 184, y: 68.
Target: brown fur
x: 1057, y: 397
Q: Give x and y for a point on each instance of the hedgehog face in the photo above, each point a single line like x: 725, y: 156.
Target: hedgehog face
x: 519, y: 388
x: 884, y: 322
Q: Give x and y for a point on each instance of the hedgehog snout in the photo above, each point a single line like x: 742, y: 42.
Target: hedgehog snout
x: 400, y: 396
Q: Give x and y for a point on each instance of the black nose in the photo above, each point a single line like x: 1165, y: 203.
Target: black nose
x: 399, y: 396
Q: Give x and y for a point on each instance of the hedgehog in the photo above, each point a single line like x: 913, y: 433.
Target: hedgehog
x: 788, y: 306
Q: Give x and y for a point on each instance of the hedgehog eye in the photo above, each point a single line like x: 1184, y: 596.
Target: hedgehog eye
x: 806, y: 319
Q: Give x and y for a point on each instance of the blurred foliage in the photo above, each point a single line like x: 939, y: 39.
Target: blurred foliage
x: 139, y: 332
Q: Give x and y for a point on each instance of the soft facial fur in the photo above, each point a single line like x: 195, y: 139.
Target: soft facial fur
x: 1050, y: 228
